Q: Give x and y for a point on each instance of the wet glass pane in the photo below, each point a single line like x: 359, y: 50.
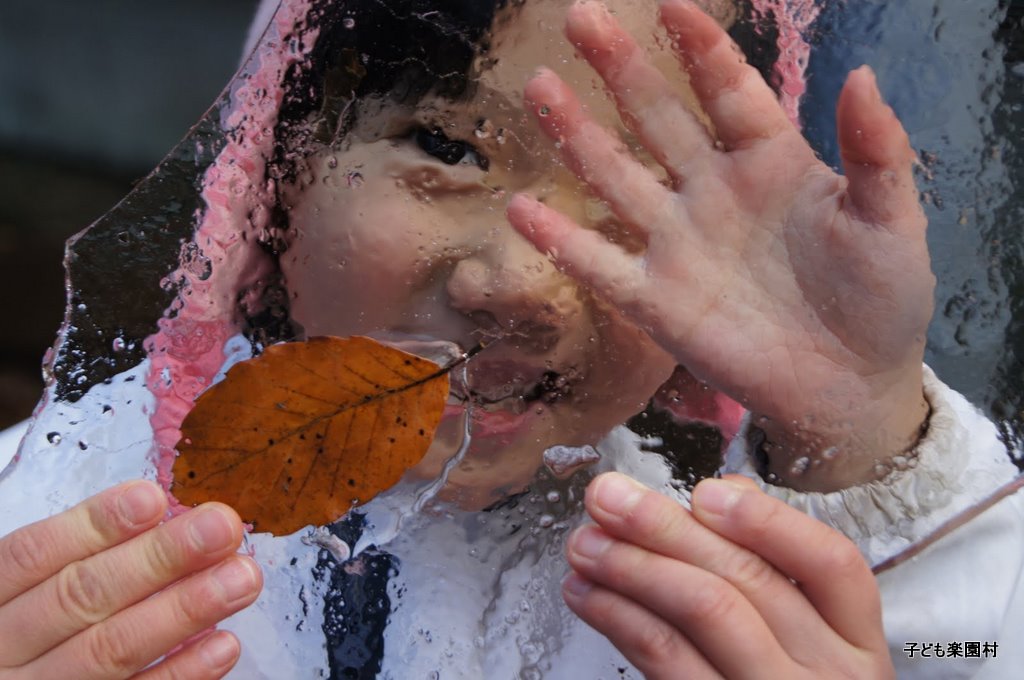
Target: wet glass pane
x: 352, y: 180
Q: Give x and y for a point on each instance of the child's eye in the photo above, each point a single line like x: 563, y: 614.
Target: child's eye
x: 449, y: 151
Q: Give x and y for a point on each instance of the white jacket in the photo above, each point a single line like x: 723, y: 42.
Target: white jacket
x: 967, y: 587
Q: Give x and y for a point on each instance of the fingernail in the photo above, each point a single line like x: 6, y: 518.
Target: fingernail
x: 210, y: 530
x: 617, y: 494
x: 575, y: 586
x: 219, y: 649
x: 588, y: 20
x: 524, y: 207
x: 237, y: 577
x: 589, y: 542
x: 141, y: 503
x: 542, y: 72
x: 716, y: 496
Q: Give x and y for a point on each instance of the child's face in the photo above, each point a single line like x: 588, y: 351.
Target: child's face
x: 387, y: 238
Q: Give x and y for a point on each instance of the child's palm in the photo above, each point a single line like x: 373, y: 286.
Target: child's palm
x: 802, y: 294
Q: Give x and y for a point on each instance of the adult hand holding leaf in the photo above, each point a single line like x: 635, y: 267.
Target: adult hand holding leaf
x: 307, y: 430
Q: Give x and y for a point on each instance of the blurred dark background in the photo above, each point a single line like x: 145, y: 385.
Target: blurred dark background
x: 92, y: 94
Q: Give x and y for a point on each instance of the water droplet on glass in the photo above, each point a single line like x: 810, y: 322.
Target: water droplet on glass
x: 563, y: 460
x: 53, y: 438
x: 348, y: 22
x: 332, y: 162
x: 800, y: 465
x: 545, y: 110
x: 322, y: 538
x: 532, y: 652
x: 117, y: 344
x: 545, y: 521
x: 554, y: 496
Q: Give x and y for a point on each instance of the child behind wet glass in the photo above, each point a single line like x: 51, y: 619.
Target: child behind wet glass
x: 716, y: 242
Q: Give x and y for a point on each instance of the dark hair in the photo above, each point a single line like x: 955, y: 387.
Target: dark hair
x: 400, y: 49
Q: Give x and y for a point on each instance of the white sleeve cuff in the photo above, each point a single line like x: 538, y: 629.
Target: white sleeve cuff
x: 959, y: 462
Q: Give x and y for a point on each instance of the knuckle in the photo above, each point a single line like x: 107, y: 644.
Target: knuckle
x: 163, y: 555
x: 105, y: 521
x: 712, y: 603
x: 111, y: 652
x: 599, y: 607
x: 194, y: 603
x: 655, y: 517
x: 180, y: 670
x: 842, y: 558
x: 81, y: 593
x: 621, y: 564
x: 657, y: 644
x: 749, y: 571
x: 26, y: 551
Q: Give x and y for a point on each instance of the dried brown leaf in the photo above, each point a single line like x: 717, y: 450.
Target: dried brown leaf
x: 307, y: 430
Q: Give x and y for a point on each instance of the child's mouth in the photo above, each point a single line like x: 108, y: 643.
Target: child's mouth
x: 505, y: 401
x: 506, y: 394
x: 550, y: 388
x: 515, y: 386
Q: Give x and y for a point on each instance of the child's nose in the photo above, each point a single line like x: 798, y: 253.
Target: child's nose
x: 518, y: 289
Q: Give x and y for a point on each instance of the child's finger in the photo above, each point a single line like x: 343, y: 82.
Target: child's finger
x: 668, y: 129
x: 633, y: 513
x: 134, y: 638
x: 582, y: 253
x: 34, y: 553
x: 209, y: 657
x: 597, y: 156
x: 740, y: 104
x: 877, y: 157
x: 656, y: 648
x: 92, y: 590
x: 707, y: 609
x: 825, y: 564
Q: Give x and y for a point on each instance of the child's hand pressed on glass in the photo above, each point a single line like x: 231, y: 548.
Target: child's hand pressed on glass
x: 803, y: 294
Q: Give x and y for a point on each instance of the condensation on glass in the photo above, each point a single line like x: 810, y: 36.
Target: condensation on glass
x: 352, y: 180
